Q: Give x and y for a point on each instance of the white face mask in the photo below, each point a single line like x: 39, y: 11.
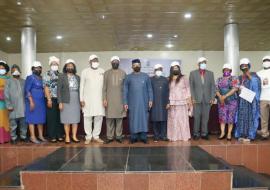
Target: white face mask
x: 158, y: 73
x: 54, y: 67
x: 203, y: 66
x: 95, y: 65
x: 16, y: 73
x: 2, y: 71
x: 266, y: 64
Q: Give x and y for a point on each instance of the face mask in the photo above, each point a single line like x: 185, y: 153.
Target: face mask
x: 95, y: 65
x: 16, y: 73
x: 159, y: 73
x: 2, y: 71
x: 176, y: 72
x: 137, y: 69
x: 54, y: 68
x: 37, y: 72
x: 266, y: 64
x: 244, y: 69
x: 203, y: 66
x: 115, y: 65
x: 227, y: 74
x: 70, y: 70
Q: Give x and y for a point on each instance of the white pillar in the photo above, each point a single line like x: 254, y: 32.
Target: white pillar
x: 28, y: 49
x: 231, y: 46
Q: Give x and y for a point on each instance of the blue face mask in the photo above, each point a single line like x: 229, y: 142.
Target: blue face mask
x: 203, y: 66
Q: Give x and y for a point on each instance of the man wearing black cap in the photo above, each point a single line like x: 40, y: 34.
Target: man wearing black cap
x: 138, y: 98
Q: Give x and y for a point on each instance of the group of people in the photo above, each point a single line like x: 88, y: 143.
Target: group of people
x: 57, y: 99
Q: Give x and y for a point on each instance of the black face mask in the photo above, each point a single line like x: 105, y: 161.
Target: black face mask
x: 244, y: 70
x: 176, y: 72
x: 115, y: 65
x: 137, y: 69
x: 70, y: 70
x: 37, y: 72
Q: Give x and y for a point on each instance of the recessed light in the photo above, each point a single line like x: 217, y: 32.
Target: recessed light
x: 188, y: 15
x: 169, y: 45
x: 175, y: 36
x: 149, y: 35
x: 8, y: 38
x: 59, y: 37
x: 19, y: 3
x: 103, y: 17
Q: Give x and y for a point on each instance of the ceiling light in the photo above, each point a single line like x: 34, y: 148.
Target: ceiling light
x: 149, y: 35
x: 175, y: 36
x: 169, y: 45
x: 8, y: 38
x: 103, y: 17
x: 59, y: 37
x: 188, y: 15
x: 19, y: 3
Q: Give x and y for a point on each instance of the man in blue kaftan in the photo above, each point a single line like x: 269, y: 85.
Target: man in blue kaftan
x: 138, y: 98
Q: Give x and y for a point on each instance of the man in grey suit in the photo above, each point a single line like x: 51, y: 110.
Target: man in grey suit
x: 202, y: 87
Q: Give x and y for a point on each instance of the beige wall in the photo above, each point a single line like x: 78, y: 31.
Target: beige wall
x: 189, y: 58
x: 3, y: 56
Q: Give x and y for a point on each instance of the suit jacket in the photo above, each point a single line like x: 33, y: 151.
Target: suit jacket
x: 63, y: 94
x: 202, y: 92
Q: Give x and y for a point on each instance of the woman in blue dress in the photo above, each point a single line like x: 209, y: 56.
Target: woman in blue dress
x: 35, y: 108
x: 248, y: 113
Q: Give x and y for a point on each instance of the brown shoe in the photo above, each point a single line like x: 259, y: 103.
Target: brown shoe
x: 87, y: 141
x: 98, y: 141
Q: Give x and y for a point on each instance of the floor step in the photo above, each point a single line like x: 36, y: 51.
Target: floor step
x: 11, y: 179
x: 244, y: 178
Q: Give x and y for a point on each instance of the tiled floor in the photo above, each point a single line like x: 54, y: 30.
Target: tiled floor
x: 128, y: 159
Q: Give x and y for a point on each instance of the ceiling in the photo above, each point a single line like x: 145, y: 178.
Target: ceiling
x: 112, y: 25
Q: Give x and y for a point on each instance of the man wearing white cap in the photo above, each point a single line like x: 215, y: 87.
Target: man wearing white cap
x: 113, y: 101
x: 54, y: 127
x: 91, y: 99
x: 202, y: 87
x: 159, y: 113
x: 264, y: 75
x: 15, y: 105
x: 248, y: 112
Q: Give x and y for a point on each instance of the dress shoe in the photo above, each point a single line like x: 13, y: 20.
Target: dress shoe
x: 196, y: 137
x: 75, y: 140
x: 145, y: 141
x: 206, y: 137
x: 263, y: 138
x: 221, y: 138
x: 42, y: 139
x: 14, y: 141
x: 35, y: 141
x: 119, y: 140
x: 98, y: 140
x: 87, y: 141
x: 108, y: 141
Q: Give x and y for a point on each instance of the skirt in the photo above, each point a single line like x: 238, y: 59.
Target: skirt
x: 178, y: 123
x: 71, y: 111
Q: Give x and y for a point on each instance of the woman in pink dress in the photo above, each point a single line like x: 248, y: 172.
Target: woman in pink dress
x: 180, y: 104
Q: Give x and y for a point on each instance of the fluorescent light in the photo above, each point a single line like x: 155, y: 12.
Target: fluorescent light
x: 169, y: 45
x: 149, y: 35
x: 8, y: 38
x: 188, y: 15
x: 59, y: 37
